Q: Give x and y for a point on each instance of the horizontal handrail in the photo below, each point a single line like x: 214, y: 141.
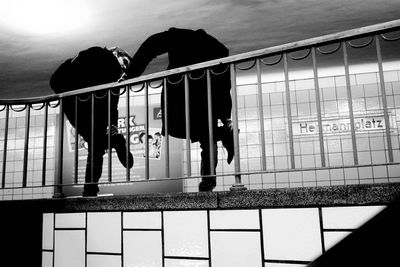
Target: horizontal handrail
x: 270, y: 51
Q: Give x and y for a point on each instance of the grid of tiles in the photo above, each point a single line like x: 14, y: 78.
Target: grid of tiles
x: 371, y: 144
x: 254, y: 237
x: 15, y: 154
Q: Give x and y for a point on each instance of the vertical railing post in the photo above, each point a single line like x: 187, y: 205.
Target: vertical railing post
x: 127, y: 127
x: 146, y: 124
x: 3, y: 179
x: 187, y: 121
x: 210, y: 123
x: 350, y: 102
x: 45, y: 128
x: 58, y: 184
x: 384, y: 100
x: 109, y: 94
x: 289, y: 111
x: 165, y: 115
x: 261, y: 115
x: 92, y: 136
x: 76, y: 148
x: 237, y: 186
x: 318, y: 104
x: 26, y: 145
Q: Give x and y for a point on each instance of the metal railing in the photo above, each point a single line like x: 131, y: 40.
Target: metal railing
x: 334, y: 46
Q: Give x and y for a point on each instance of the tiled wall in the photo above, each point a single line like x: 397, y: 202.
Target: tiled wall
x: 273, y: 237
x: 13, y: 169
x: 371, y: 146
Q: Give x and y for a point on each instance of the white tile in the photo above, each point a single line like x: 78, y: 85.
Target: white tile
x: 69, y: 248
x: 104, y: 232
x: 291, y: 234
x: 70, y: 220
x: 235, y: 249
x: 48, y: 230
x: 185, y: 263
x: 267, y: 264
x: 332, y: 238
x: 142, y: 220
x: 142, y: 248
x: 234, y: 219
x: 186, y: 233
x: 103, y: 261
x: 348, y: 217
x: 47, y: 259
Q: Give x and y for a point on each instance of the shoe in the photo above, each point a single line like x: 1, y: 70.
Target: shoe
x: 227, y: 140
x: 207, y: 185
x: 118, y: 142
x: 90, y: 190
x: 89, y: 194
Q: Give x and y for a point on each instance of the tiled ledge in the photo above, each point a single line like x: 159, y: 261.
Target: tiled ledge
x: 288, y: 197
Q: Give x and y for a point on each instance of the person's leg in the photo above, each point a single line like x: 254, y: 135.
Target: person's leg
x: 207, y: 184
x: 91, y: 187
x: 118, y: 141
x: 226, y: 136
x: 96, y: 151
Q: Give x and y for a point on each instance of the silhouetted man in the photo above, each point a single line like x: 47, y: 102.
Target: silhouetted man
x: 94, y: 66
x: 187, y: 47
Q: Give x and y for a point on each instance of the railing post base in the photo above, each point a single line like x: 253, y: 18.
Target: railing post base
x: 58, y: 195
x: 58, y: 192
x: 238, y: 187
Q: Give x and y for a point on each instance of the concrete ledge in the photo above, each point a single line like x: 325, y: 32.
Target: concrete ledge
x: 379, y: 194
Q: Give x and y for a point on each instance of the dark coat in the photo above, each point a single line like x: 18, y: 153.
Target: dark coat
x: 93, y: 66
x: 187, y: 47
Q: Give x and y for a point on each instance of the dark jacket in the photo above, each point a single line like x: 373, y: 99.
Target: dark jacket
x: 187, y: 47
x: 93, y: 66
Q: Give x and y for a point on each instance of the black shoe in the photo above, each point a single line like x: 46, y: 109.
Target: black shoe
x: 90, y: 190
x: 227, y: 140
x: 118, y: 142
x: 207, y: 185
x: 89, y: 194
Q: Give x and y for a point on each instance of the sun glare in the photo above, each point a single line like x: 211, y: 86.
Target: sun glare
x: 44, y: 17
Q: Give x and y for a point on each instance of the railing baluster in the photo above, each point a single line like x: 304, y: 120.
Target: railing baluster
x: 146, y: 124
x: 210, y: 123
x: 109, y: 93
x: 238, y: 180
x: 26, y: 145
x: 384, y: 100
x: 92, y: 138
x: 187, y: 121
x: 165, y: 114
x: 76, y: 151
x: 58, y: 184
x: 127, y: 127
x: 261, y: 115
x: 45, y: 128
x: 3, y: 180
x: 289, y: 111
x: 318, y: 104
x: 350, y: 102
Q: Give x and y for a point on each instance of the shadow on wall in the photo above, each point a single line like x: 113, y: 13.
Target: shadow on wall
x: 376, y: 243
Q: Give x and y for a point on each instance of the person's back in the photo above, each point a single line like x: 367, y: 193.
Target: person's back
x: 188, y: 47
x: 93, y: 66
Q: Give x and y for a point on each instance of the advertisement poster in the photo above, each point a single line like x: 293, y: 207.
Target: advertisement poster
x: 136, y: 122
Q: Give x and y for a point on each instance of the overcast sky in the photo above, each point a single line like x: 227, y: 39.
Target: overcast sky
x: 37, y: 36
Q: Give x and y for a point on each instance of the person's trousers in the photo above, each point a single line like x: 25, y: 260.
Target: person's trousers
x: 94, y: 165
x: 205, y: 168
